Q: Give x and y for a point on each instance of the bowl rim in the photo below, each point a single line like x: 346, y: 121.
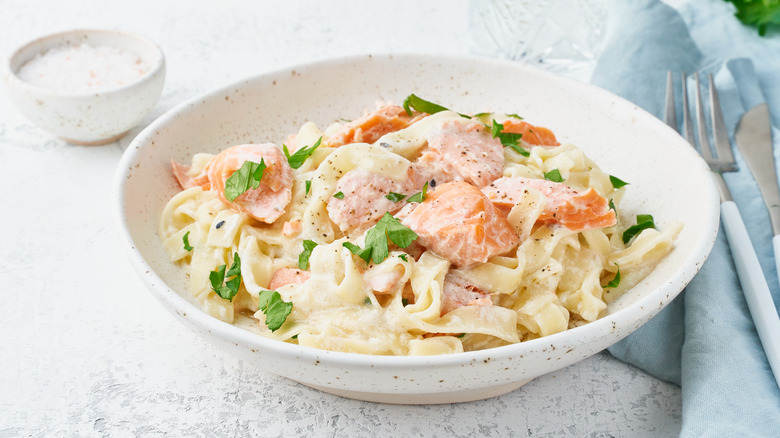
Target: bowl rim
x: 176, y: 303
x: 13, y: 79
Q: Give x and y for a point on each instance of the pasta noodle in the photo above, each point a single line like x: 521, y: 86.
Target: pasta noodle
x: 477, y: 255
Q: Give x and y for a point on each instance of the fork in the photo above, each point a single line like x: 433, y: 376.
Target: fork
x: 754, y: 285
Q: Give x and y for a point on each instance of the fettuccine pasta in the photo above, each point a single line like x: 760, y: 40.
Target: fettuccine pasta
x: 407, y: 233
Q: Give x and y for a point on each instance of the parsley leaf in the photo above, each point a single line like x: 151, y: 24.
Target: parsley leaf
x: 643, y: 221
x: 275, y: 309
x: 403, y: 257
x: 308, y: 186
x: 419, y: 196
x: 554, y: 176
x: 338, y: 195
x: 230, y: 289
x: 424, y: 106
x: 421, y: 105
x: 296, y: 160
x: 245, y: 178
x: 388, y: 228
x: 612, y: 205
x: 508, y: 139
x: 758, y: 13
x: 363, y: 253
x: 617, y: 182
x: 515, y: 116
x: 615, y: 281
x: 186, y: 240
x: 395, y: 197
x: 303, y: 257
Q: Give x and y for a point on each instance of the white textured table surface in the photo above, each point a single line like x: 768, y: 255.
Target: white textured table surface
x: 86, y: 351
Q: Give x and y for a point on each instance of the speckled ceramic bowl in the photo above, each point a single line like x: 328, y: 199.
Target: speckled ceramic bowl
x: 667, y: 178
x: 88, y: 118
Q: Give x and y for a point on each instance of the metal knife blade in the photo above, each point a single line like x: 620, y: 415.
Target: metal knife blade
x: 754, y: 140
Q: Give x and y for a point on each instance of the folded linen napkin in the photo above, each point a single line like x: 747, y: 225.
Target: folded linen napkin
x: 705, y: 339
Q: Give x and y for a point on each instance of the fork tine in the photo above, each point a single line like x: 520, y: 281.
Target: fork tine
x: 687, y: 124
x: 670, y: 112
x: 720, y: 135
x: 704, y: 139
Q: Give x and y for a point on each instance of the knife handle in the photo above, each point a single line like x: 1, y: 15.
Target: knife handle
x: 754, y: 286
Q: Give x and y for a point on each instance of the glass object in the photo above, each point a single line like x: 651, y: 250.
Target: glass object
x: 563, y: 36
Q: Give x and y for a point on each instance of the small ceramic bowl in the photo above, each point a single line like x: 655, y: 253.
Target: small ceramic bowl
x: 91, y: 117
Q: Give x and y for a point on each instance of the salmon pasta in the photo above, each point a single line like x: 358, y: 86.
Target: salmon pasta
x: 412, y: 230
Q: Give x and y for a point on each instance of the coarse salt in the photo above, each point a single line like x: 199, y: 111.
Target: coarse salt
x: 83, y: 68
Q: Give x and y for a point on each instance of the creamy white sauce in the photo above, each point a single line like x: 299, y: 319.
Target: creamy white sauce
x: 83, y: 68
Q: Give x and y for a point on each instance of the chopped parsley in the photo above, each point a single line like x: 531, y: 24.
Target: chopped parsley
x: 419, y: 196
x: 404, y: 302
x: 554, y: 176
x: 245, y: 178
x: 643, y: 221
x: 296, y: 160
x: 186, y: 240
x: 303, y: 257
x: 395, y: 197
x: 616, y: 280
x: 388, y: 228
x: 515, y: 116
x: 403, y: 257
x: 230, y: 288
x: 338, y: 195
x: 367, y: 300
x: 275, y: 309
x: 508, y: 139
x: 424, y: 106
x: 612, y: 205
x: 308, y: 186
x: 617, y: 182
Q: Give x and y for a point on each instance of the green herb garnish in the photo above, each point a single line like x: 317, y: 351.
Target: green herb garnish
x: 643, y: 221
x: 296, y: 160
x: 515, y: 116
x: 617, y: 182
x: 230, y: 288
x: 615, y: 281
x: 421, y: 105
x: 338, y: 195
x: 245, y: 178
x: 186, y: 240
x: 367, y: 300
x: 403, y: 257
x: 404, y: 302
x: 308, y: 186
x: 508, y: 139
x: 612, y: 205
x: 759, y: 13
x: 388, y: 228
x: 275, y: 309
x: 395, y: 197
x: 554, y: 176
x: 303, y: 257
x: 419, y: 196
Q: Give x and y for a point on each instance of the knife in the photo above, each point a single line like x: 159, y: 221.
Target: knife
x: 754, y: 140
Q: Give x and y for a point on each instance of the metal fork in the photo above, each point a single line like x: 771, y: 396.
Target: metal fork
x: 754, y: 285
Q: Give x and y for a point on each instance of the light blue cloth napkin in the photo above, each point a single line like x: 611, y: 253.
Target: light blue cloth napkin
x: 705, y: 339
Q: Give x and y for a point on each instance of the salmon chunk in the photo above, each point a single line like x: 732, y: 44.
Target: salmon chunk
x: 364, y: 199
x: 369, y: 128
x: 458, y: 292
x: 463, y: 151
x: 459, y: 223
x: 285, y: 276
x: 570, y: 208
x: 533, y: 135
x: 267, y: 202
x: 183, y: 175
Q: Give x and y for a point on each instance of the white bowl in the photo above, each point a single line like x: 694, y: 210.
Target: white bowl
x: 95, y: 117
x: 667, y: 179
